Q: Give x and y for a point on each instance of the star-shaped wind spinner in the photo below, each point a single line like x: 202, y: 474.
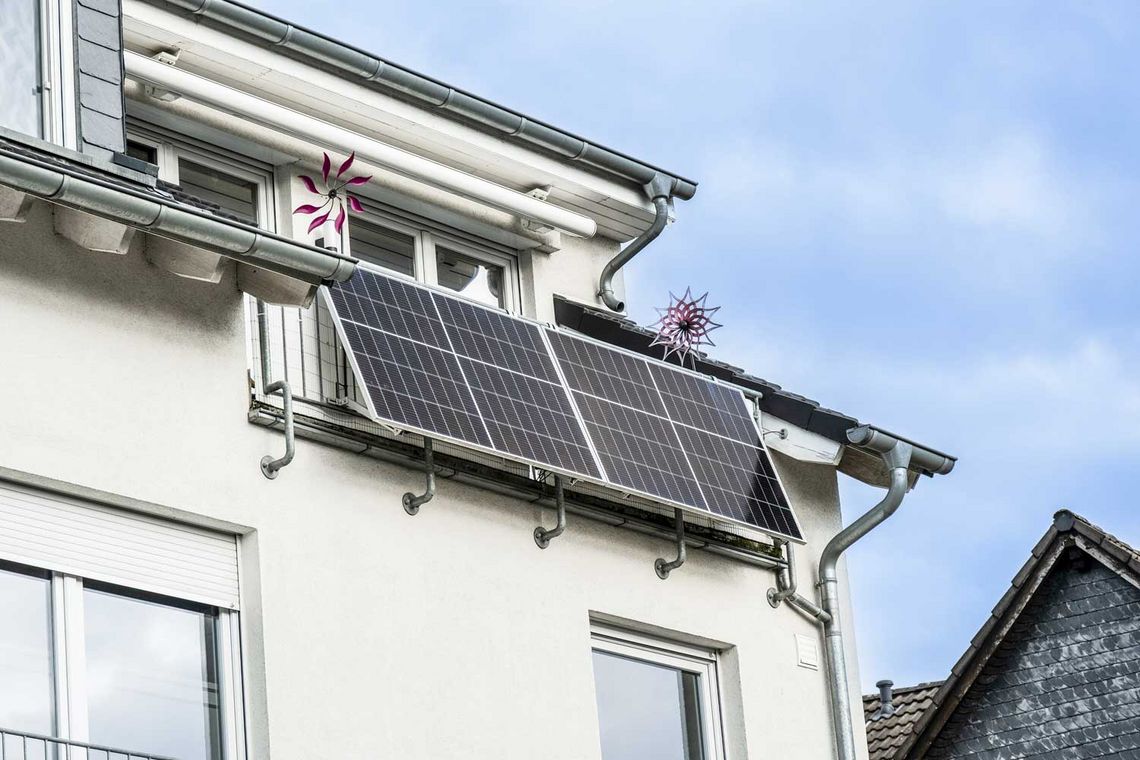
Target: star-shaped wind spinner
x: 685, y: 325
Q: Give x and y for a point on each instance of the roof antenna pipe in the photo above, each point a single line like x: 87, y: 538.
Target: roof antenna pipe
x: 660, y: 192
x: 899, y: 455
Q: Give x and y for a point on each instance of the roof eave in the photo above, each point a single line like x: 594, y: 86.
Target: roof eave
x: 391, y: 78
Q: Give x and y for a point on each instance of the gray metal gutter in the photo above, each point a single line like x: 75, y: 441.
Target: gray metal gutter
x: 155, y: 214
x: 431, y: 93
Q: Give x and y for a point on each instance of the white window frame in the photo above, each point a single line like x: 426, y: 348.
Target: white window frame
x: 705, y: 663
x: 58, y: 120
x: 170, y: 149
x: 425, y: 241
x: 68, y: 652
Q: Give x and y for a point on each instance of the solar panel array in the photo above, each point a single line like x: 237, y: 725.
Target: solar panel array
x: 445, y: 367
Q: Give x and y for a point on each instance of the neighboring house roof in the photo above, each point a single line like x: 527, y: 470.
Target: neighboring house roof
x: 886, y: 733
x: 1038, y: 647
x: 774, y: 400
x: 362, y: 67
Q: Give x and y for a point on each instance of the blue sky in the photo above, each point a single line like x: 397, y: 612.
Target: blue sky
x: 921, y: 214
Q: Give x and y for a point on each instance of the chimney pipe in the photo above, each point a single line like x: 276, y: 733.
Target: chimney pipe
x: 886, y: 705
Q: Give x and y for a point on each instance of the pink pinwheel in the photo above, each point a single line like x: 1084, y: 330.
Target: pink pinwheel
x: 335, y: 196
x: 685, y: 325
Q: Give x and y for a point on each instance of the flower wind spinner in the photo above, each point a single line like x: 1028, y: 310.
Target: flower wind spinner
x: 685, y: 325
x: 336, y: 196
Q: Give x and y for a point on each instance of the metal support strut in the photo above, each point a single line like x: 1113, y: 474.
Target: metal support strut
x: 664, y: 567
x: 269, y: 465
x: 542, y: 536
x: 412, y: 503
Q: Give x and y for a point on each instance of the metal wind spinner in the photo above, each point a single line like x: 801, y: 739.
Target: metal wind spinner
x: 684, y: 325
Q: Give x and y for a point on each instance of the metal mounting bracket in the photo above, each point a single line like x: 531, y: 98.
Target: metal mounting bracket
x: 269, y: 465
x: 412, y: 503
x: 542, y: 536
x: 663, y: 566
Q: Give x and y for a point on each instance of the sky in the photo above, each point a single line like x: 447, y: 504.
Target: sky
x: 920, y: 214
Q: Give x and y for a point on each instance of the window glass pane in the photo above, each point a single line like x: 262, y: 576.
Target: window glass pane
x: 382, y: 247
x: 20, y: 93
x: 27, y: 693
x: 233, y: 195
x: 647, y: 711
x: 142, y: 152
x: 473, y: 278
x: 152, y: 683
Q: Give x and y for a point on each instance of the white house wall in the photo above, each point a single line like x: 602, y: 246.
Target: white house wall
x: 369, y: 633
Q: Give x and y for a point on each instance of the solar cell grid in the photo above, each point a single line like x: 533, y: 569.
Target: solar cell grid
x: 495, y: 338
x: 639, y: 451
x: 704, y: 405
x: 606, y: 373
x: 388, y: 304
x: 415, y: 385
x: 738, y: 481
x: 530, y: 418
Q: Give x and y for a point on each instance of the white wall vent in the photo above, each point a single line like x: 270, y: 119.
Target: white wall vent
x: 807, y: 651
x: 55, y: 532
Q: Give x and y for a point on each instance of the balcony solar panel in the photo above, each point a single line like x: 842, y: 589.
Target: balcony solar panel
x: 674, y: 435
x: 411, y: 383
x: 454, y: 369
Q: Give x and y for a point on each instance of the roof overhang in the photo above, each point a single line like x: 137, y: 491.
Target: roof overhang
x: 253, y: 52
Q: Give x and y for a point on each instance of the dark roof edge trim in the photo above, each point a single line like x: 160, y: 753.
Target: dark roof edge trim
x: 433, y: 94
x: 152, y: 213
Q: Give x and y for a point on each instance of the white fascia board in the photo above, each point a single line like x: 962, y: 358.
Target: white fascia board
x: 799, y: 444
x: 616, y: 206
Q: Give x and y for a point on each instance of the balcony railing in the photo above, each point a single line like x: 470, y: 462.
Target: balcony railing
x: 20, y: 745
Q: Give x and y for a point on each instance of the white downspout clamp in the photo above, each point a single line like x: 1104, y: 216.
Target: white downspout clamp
x: 373, y: 151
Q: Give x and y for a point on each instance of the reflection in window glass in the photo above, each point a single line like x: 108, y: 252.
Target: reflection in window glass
x: 151, y: 676
x: 473, y: 278
x: 27, y: 693
x: 21, y: 94
x: 233, y: 195
x: 647, y: 711
x: 382, y: 247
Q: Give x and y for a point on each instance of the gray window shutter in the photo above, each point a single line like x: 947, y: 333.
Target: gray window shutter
x: 55, y: 532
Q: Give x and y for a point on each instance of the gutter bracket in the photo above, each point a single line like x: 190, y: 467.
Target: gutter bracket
x: 270, y: 466
x: 663, y: 566
x: 412, y: 503
x: 542, y: 536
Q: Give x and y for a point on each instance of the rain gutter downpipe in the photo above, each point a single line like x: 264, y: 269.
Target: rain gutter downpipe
x: 900, y: 457
x: 660, y: 191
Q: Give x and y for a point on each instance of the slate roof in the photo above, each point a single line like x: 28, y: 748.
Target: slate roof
x: 885, y: 734
x: 1055, y: 670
